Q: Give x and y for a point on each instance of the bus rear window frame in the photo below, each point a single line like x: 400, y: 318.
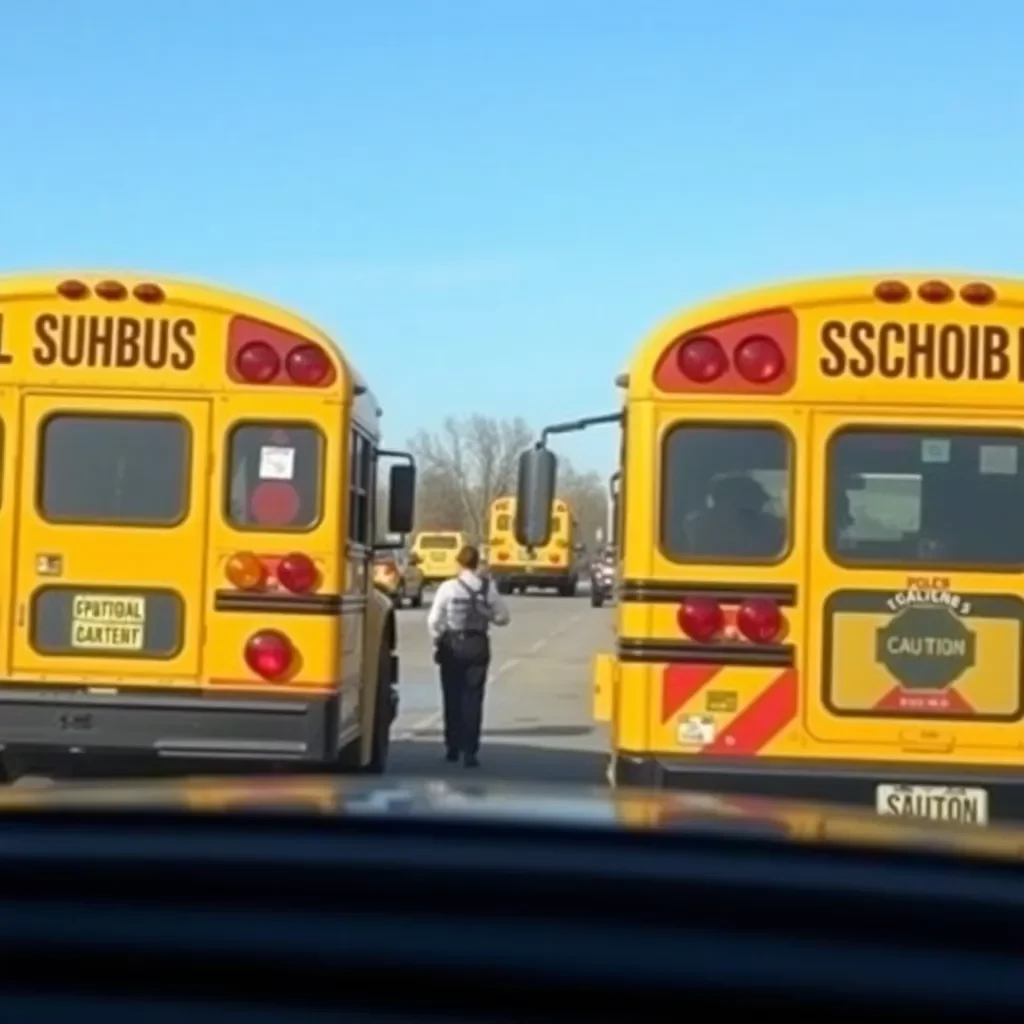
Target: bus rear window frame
x: 906, y: 566
x: 272, y: 424
x: 791, y: 450
x: 122, y: 524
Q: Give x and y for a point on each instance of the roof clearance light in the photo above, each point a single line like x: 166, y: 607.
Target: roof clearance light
x: 308, y: 365
x: 257, y: 362
x: 759, y: 360
x: 891, y: 291
x: 297, y: 573
x: 113, y: 291
x: 935, y: 291
x: 148, y: 292
x: 269, y: 654
x: 701, y: 619
x: 977, y: 293
x: 702, y: 360
x: 245, y: 571
x: 759, y: 621
x: 73, y: 289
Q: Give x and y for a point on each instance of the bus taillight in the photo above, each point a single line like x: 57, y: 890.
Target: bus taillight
x: 245, y: 570
x: 702, y: 360
x: 759, y: 621
x: 257, y: 362
x: 759, y: 360
x: 701, y: 619
x: 269, y: 654
x: 308, y: 365
x: 297, y: 573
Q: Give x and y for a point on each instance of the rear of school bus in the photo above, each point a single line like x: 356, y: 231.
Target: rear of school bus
x: 437, y: 554
x: 551, y: 567
x: 184, y: 471
x: 823, y: 591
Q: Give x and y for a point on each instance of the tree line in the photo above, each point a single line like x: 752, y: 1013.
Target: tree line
x: 467, y: 463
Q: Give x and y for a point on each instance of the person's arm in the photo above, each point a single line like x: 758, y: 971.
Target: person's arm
x: 438, y: 614
x: 498, y: 608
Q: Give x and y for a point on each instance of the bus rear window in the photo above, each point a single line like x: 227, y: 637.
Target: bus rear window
x: 939, y: 498
x: 275, y: 474
x: 439, y: 542
x: 126, y: 470
x: 725, y: 493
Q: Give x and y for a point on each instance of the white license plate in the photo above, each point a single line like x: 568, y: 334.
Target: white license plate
x: 964, y: 805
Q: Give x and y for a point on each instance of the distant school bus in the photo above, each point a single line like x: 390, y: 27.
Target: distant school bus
x: 187, y: 511
x: 437, y: 553
x: 821, y: 558
x: 552, y: 566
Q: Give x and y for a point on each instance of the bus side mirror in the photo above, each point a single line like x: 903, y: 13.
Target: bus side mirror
x: 401, y: 499
x: 535, y: 495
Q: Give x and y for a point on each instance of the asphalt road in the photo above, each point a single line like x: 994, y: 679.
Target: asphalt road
x: 537, y: 721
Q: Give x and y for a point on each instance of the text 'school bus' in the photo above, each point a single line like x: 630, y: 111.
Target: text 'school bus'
x: 437, y: 553
x: 550, y: 566
x: 821, y: 560
x: 188, y: 482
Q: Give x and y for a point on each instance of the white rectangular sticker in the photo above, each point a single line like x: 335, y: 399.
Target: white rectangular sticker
x: 963, y: 804
x: 277, y: 463
x: 998, y: 460
x: 696, y: 730
x: 935, y: 449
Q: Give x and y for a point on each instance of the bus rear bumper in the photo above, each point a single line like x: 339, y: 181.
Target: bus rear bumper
x: 241, y: 727
x: 816, y: 780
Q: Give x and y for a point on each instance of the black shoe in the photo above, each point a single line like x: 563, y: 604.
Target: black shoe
x: 452, y: 756
x: 471, y: 761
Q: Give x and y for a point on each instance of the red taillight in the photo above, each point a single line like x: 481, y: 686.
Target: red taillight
x: 978, y: 293
x: 935, y: 291
x: 257, y: 362
x: 112, y: 290
x: 73, y: 289
x: 759, y: 621
x: 759, y: 360
x: 701, y: 619
x: 702, y: 360
x: 269, y: 654
x: 308, y: 365
x: 297, y: 573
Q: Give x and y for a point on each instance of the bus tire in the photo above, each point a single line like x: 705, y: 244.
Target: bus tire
x: 383, y: 715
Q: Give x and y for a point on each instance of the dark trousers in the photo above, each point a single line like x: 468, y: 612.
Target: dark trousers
x: 464, y: 659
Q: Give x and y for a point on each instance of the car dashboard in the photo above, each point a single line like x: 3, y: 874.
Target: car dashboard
x: 281, y: 917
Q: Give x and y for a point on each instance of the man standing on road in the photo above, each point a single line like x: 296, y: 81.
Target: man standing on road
x: 460, y: 617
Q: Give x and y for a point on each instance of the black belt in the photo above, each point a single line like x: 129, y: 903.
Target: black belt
x: 467, y: 632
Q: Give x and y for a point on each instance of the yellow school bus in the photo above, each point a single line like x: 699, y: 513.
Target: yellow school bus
x: 550, y: 566
x: 822, y: 591
x: 437, y: 553
x: 187, y: 510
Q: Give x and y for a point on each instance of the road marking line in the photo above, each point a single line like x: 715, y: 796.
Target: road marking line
x: 435, y: 717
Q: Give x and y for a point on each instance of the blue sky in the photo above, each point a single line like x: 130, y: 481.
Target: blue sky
x: 490, y: 201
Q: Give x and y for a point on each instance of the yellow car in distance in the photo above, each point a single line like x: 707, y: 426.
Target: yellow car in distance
x: 400, y: 577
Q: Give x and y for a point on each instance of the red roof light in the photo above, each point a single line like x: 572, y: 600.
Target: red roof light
x: 702, y: 360
x: 257, y: 362
x: 308, y: 365
x: 759, y: 360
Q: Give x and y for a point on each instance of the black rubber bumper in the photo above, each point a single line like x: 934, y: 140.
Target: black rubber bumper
x: 817, y: 780
x: 168, y: 725
x: 530, y: 579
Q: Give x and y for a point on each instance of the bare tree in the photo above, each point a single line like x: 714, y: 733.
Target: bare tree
x: 464, y: 466
x: 587, y: 495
